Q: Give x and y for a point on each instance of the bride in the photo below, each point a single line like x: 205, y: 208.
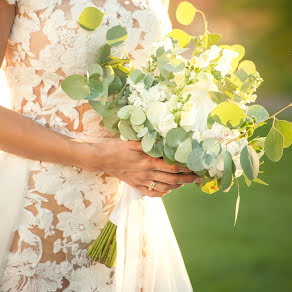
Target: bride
x: 58, y: 164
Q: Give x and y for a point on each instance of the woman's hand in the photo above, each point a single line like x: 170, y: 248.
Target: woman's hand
x: 127, y: 161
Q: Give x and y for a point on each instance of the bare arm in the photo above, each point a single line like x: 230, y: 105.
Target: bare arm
x: 24, y: 137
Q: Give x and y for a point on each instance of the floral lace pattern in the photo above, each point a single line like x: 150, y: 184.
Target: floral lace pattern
x: 65, y: 208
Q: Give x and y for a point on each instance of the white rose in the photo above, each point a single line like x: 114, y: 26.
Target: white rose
x: 209, y: 55
x: 166, y: 123
x: 155, y: 112
x: 224, y: 63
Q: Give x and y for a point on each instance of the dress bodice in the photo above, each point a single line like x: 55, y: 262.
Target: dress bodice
x: 46, y: 44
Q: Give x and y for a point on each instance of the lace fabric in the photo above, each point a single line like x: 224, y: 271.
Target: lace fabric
x: 65, y: 208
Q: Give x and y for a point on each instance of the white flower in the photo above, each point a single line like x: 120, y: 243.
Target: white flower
x: 166, y: 123
x: 209, y: 55
x: 224, y: 63
x: 196, y: 110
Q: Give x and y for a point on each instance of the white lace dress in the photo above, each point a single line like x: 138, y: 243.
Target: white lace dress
x: 65, y: 208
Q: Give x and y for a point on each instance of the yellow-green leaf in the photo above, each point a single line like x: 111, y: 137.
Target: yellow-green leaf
x: 285, y: 128
x: 274, y: 145
x: 250, y: 163
x: 182, y: 37
x: 228, y: 114
x: 248, y: 66
x: 90, y: 18
x: 236, y: 48
x: 210, y: 186
x: 213, y: 39
x: 185, y: 13
x: 76, y: 86
x: 116, y: 36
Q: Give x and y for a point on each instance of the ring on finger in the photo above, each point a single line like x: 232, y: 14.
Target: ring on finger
x: 152, y: 185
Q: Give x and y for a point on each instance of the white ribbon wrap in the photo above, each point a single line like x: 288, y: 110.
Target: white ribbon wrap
x: 148, y: 255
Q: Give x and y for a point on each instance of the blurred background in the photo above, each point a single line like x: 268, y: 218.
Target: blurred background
x: 256, y: 254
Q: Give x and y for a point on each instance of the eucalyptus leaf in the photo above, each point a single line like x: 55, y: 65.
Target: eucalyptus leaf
x: 142, y: 133
x: 138, y: 116
x: 98, y: 89
x: 169, y: 152
x: 208, y: 160
x: 137, y: 76
x: 182, y: 37
x: 101, y: 109
x: 175, y: 136
x: 111, y: 123
x: 127, y: 131
x: 194, y: 162
x: 76, y: 86
x: 249, y: 161
x: 213, y: 39
x: 157, y: 150
x: 125, y: 112
x: 227, y: 173
x: 261, y: 182
x: 90, y: 18
x: 148, y: 141
x: 148, y: 81
x: 115, y: 86
x: 274, y: 144
x: 109, y: 74
x: 183, y: 151
x: 185, y: 13
x: 228, y: 114
x: 285, y: 128
x: 95, y: 71
x: 257, y: 111
x: 116, y: 35
x: 212, y: 146
x: 103, y: 54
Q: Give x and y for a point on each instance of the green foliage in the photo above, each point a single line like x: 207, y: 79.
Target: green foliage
x: 95, y: 71
x: 148, y: 141
x: 182, y: 37
x: 76, y: 86
x: 249, y: 161
x: 176, y: 136
x: 102, y: 109
x: 228, y: 114
x: 183, y: 151
x: 157, y: 150
x: 90, y: 18
x: 274, y: 144
x: 213, y: 39
x: 125, y: 112
x: 194, y: 162
x: 138, y: 116
x: 185, y: 13
x: 116, y: 35
x: 136, y: 76
x: 257, y: 111
x: 127, y: 131
x: 103, y: 54
x: 285, y: 128
x: 98, y: 89
x: 227, y: 173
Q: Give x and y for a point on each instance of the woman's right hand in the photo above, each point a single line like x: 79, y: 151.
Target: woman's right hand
x: 128, y: 162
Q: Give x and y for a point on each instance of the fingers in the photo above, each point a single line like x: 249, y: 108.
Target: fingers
x: 172, y: 178
x: 161, y: 165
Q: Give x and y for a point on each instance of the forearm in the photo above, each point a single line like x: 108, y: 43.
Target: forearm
x: 24, y: 137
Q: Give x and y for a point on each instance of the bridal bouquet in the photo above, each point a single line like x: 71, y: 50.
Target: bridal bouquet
x: 189, y: 104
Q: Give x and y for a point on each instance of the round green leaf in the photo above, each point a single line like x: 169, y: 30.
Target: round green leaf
x: 174, y: 65
x: 103, y: 54
x: 227, y: 173
x: 228, y: 114
x: 138, y: 117
x: 213, y: 39
x: 127, y: 131
x: 125, y: 112
x: 148, y: 141
x: 98, y: 89
x: 137, y: 76
x: 116, y: 36
x: 143, y: 132
x: 285, y: 128
x: 274, y: 145
x: 169, y: 152
x: 157, y: 150
x: 109, y: 74
x: 175, y: 136
x: 257, y: 111
x: 182, y: 37
x: 90, y: 18
x: 183, y: 151
x: 185, y: 13
x: 247, y: 66
x: 250, y: 163
x: 208, y: 160
x: 95, y: 71
x: 102, y: 110
x: 111, y: 123
x: 148, y: 81
x: 194, y: 162
x: 212, y: 146
x: 76, y: 86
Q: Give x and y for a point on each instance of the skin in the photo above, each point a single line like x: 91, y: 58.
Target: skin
x: 24, y: 137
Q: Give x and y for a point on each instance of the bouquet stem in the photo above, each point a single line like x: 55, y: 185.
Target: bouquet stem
x: 104, y: 248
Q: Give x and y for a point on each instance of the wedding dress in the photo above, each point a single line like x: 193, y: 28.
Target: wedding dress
x: 64, y: 208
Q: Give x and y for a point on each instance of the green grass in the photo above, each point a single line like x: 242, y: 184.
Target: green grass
x: 253, y: 256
